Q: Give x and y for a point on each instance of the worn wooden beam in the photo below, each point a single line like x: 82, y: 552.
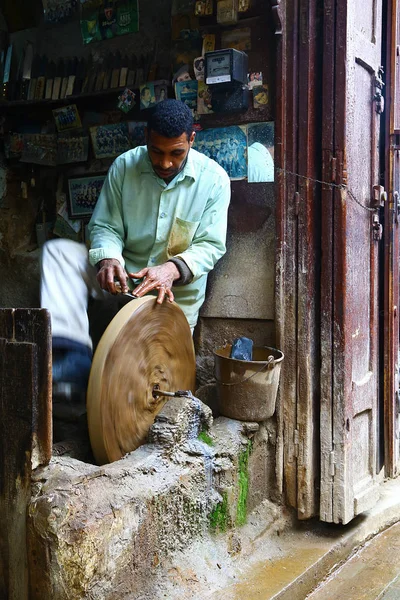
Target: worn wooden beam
x: 18, y: 374
x: 33, y: 325
x: 25, y: 431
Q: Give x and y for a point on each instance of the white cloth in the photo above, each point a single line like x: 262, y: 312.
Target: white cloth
x: 68, y: 279
x: 260, y: 163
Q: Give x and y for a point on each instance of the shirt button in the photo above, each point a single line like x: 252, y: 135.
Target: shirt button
x: 163, y: 215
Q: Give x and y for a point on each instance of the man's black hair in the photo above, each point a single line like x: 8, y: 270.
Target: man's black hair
x: 171, y: 118
x: 143, y: 91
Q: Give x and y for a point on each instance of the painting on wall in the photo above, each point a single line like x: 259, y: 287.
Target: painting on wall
x: 237, y: 38
x: 40, y: 149
x: 186, y: 92
x: 147, y: 96
x: 83, y: 195
x: 260, y: 152
x: 137, y: 133
x: 109, y: 141
x: 227, y: 146
x: 72, y: 149
x: 106, y: 19
x: 67, y: 117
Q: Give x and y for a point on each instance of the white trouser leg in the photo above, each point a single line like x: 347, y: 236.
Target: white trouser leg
x: 68, y: 279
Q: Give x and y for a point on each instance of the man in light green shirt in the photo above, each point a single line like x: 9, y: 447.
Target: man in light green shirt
x: 159, y: 227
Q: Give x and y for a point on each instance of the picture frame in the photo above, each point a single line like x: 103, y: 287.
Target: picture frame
x: 67, y: 117
x: 227, y: 146
x: 83, y: 193
x: 109, y: 141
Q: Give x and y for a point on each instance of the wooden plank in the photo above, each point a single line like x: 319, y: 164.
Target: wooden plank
x: 33, y: 325
x: 327, y: 231
x: 355, y: 260
x: 390, y: 425
x: 308, y: 302
x: 286, y: 314
x: 18, y: 395
x: 280, y: 220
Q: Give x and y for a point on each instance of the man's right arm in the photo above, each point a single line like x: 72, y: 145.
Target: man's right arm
x: 106, y: 227
x: 106, y: 231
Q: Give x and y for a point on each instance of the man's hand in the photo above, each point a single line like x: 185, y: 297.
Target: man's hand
x: 109, y: 270
x: 159, y: 278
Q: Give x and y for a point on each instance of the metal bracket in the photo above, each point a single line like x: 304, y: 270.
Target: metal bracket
x: 377, y: 229
x: 332, y: 463
x: 277, y: 15
x: 379, y: 196
x: 379, y: 85
x: 396, y: 207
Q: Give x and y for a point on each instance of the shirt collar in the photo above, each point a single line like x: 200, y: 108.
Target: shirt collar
x: 188, y: 170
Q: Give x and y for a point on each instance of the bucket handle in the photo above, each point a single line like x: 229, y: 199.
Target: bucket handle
x: 270, y: 360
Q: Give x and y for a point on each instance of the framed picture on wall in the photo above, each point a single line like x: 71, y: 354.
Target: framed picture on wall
x: 109, y: 141
x: 83, y: 195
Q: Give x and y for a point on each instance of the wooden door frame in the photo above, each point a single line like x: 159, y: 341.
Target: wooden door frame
x: 297, y: 254
x: 391, y: 258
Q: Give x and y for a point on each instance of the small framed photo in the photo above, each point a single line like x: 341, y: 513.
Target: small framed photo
x: 126, y: 101
x: 109, y: 141
x: 67, y: 117
x: 83, y: 195
x: 147, y: 96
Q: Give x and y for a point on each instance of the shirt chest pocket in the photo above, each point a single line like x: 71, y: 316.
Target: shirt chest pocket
x: 181, y: 236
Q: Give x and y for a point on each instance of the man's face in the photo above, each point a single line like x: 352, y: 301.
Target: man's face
x: 168, y: 155
x: 146, y: 95
x: 184, y: 77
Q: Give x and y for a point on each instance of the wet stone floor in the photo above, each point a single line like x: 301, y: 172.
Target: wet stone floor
x: 373, y: 573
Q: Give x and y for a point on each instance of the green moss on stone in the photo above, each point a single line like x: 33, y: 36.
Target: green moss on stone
x: 243, y: 484
x: 219, y: 517
x: 204, y: 437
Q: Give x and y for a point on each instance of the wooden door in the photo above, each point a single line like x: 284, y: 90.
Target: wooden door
x: 392, y: 247
x: 349, y: 270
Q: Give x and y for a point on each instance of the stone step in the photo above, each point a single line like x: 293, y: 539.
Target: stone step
x: 287, y: 562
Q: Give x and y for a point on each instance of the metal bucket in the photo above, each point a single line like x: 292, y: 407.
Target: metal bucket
x: 247, y: 390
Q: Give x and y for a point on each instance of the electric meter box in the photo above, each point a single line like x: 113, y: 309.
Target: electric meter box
x: 226, y: 68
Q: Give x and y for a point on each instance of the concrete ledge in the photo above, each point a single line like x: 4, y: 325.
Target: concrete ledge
x: 345, y: 541
x: 105, y: 532
x: 280, y: 558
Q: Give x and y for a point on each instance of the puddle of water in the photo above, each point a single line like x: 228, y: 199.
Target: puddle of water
x: 265, y: 579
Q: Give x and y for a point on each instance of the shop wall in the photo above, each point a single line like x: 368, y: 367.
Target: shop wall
x: 240, y: 298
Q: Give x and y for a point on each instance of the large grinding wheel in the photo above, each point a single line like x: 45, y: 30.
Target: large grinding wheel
x: 146, y: 344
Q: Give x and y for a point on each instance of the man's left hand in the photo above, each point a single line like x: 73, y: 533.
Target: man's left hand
x: 159, y: 278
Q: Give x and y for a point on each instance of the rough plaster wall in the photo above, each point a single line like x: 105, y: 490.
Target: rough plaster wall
x: 240, y: 292
x: 242, y: 284
x: 19, y: 270
x: 213, y: 333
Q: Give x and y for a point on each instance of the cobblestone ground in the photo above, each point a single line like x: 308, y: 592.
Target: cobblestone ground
x: 373, y: 573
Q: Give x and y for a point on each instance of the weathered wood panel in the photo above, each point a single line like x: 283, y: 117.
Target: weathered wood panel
x: 297, y: 276
x: 351, y: 277
x: 391, y: 420
x: 33, y: 325
x: 25, y: 431
x: 308, y: 272
x: 18, y: 397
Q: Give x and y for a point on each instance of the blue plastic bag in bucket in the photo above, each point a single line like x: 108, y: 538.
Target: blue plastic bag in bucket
x: 247, y: 390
